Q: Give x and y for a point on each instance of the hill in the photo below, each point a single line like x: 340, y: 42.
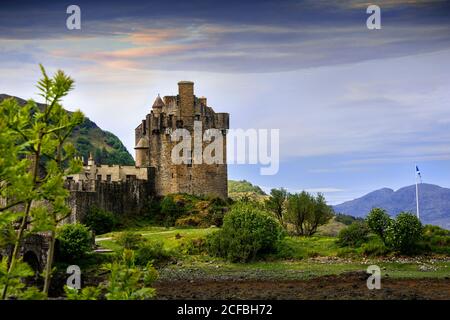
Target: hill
x: 243, y: 188
x: 434, y: 203
x: 88, y: 137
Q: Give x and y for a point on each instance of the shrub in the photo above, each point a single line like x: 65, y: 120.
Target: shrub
x: 129, y: 282
x: 75, y: 240
x: 436, y: 239
x: 346, y: 219
x: 193, y: 246
x: 404, y: 233
x: 130, y: 240
x: 189, y: 221
x: 374, y: 247
x: 171, y: 209
x: 100, y: 221
x: 247, y: 232
x: 378, y: 221
x: 152, y: 252
x: 354, y: 235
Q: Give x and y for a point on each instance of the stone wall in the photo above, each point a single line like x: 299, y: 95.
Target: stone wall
x: 124, y: 198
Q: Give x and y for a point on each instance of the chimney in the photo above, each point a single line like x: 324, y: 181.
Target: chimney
x: 186, y: 93
x: 202, y: 101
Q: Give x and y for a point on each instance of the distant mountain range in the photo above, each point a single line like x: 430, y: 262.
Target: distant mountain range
x: 434, y: 203
x: 89, y: 138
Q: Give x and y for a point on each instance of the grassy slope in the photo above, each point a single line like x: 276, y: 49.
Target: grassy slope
x: 243, y: 188
x: 88, y: 137
x: 315, y: 256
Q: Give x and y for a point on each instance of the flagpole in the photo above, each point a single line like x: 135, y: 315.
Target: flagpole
x: 417, y: 197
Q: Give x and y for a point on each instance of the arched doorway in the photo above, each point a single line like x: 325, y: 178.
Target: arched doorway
x: 32, y: 260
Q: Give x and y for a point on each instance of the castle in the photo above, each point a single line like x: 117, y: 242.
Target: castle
x: 127, y: 188
x: 154, y: 144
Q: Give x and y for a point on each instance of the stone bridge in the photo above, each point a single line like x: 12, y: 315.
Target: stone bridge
x: 33, y: 251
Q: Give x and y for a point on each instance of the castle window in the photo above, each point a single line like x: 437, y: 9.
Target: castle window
x: 108, y: 177
x: 172, y: 175
x: 99, y: 177
x: 197, y: 117
x: 131, y: 177
x: 179, y: 124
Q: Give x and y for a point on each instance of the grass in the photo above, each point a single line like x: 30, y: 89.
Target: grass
x: 167, y: 235
x: 301, y: 259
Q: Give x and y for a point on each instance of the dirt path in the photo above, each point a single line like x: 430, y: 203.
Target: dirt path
x: 344, y: 286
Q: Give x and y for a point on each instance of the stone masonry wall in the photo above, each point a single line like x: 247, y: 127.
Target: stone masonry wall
x: 126, y: 198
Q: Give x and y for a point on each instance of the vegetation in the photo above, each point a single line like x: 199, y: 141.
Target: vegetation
x: 379, y: 221
x: 185, y: 210
x: 152, y: 252
x: 276, y: 203
x: 347, y: 219
x: 247, y: 233
x: 306, y: 212
x: 129, y: 240
x: 100, y: 221
x: 105, y: 147
x: 129, y: 282
x: 36, y: 155
x: 354, y: 235
x: 75, y: 240
x: 244, y: 186
x: 404, y: 233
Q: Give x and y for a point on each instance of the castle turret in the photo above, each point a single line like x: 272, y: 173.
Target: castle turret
x: 142, y: 150
x: 91, y: 161
x: 158, y: 105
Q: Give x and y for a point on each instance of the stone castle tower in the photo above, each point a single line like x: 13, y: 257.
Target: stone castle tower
x: 154, y: 145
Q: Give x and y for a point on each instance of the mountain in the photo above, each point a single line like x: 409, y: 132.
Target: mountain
x: 88, y: 137
x: 434, y: 203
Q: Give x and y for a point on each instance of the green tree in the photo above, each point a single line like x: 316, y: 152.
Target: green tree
x: 404, y: 233
x: 378, y: 221
x: 299, y: 207
x: 321, y: 214
x: 276, y: 203
x: 42, y: 158
x: 307, y: 213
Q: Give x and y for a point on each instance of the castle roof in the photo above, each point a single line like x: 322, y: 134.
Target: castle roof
x: 158, y: 102
x: 143, y: 143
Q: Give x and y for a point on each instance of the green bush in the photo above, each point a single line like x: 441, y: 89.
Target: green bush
x: 130, y: 240
x: 375, y: 247
x: 152, y: 252
x: 354, y: 235
x: 378, y: 221
x: 346, y: 219
x: 75, y: 240
x: 436, y: 239
x: 404, y: 233
x: 172, y: 208
x: 247, y: 233
x: 193, y: 246
x: 100, y: 221
x: 189, y: 221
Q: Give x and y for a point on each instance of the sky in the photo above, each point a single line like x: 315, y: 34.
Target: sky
x: 357, y: 109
